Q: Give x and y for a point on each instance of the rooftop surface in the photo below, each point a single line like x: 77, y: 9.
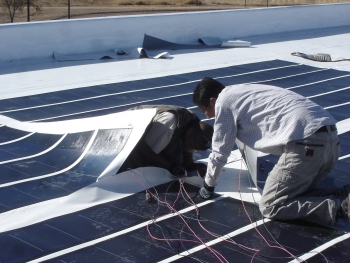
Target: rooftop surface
x: 63, y: 136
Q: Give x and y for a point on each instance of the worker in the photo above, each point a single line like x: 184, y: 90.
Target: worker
x: 170, y: 141
x: 277, y: 121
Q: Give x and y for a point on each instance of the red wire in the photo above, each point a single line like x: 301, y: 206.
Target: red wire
x: 213, y: 234
x: 216, y: 253
x: 282, y: 248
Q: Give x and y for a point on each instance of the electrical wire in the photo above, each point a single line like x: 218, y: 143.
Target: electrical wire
x: 189, y: 200
x: 272, y: 236
x: 173, y: 210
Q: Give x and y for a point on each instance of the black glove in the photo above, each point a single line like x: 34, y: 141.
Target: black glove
x: 206, y: 192
x: 176, y: 170
x: 200, y: 167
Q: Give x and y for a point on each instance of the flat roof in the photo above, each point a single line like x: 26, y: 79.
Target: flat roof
x: 56, y: 210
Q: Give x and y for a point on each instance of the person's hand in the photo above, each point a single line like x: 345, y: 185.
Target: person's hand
x: 176, y: 170
x: 206, y: 192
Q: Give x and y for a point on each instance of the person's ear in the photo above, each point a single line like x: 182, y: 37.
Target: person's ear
x: 212, y: 101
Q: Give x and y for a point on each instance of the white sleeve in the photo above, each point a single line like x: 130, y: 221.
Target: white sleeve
x: 223, y: 141
x: 161, y: 131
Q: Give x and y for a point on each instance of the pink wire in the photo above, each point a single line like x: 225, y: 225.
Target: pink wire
x: 216, y: 253
x: 251, y: 221
x: 213, y: 234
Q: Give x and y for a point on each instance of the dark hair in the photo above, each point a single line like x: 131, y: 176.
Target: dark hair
x: 206, y: 89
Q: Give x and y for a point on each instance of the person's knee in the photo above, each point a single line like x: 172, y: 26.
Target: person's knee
x: 267, y: 211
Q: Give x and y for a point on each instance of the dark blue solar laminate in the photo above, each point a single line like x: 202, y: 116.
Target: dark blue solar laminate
x: 2, y: 208
x: 50, y: 239
x: 140, y: 247
x: 8, y: 104
x: 11, y: 197
x: 31, y: 145
x: 336, y: 179
x: 49, y: 111
x: 184, y: 101
x: 72, y: 108
x: 43, y: 99
x: 29, y: 115
x: 8, y: 134
x: 81, y: 106
x: 77, y: 178
x: 143, y: 96
x: 107, y: 145
x: 96, y: 255
x: 174, y: 79
x: 98, y: 103
x: 74, y: 94
x: 4, y: 155
x: 307, y: 78
x: 332, y: 99
x: 66, y: 152
x: 128, y: 86
x: 69, y: 109
x: 128, y: 98
x: 267, y: 75
x: 344, y: 143
x: 238, y: 69
x: 339, y: 252
x: 44, y: 241
x: 14, y: 250
x: 98, y: 221
x: 323, y: 87
x: 344, y: 164
x: 297, y: 237
x: 341, y: 112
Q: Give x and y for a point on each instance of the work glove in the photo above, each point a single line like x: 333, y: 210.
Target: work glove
x: 200, y: 167
x: 206, y: 192
x: 176, y: 170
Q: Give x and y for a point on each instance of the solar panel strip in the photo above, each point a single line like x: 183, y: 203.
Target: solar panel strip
x: 330, y: 251
x: 345, y: 144
x: 328, y: 84
x: 339, y: 112
x: 155, y: 251
x: 122, y: 215
x: 168, y: 220
x: 78, y: 94
x: 343, y: 157
x: 113, y: 109
x: 67, y: 154
x: 29, y: 148
x: 101, y: 149
x: 141, y: 97
x: 296, y: 239
x: 10, y: 135
x: 314, y: 78
x: 156, y: 82
x: 213, y: 242
x: 99, y: 102
x: 179, y: 100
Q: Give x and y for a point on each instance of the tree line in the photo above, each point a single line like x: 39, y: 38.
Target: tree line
x: 11, y: 7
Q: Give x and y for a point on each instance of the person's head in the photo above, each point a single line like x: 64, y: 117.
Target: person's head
x: 205, y: 95
x: 198, y: 136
